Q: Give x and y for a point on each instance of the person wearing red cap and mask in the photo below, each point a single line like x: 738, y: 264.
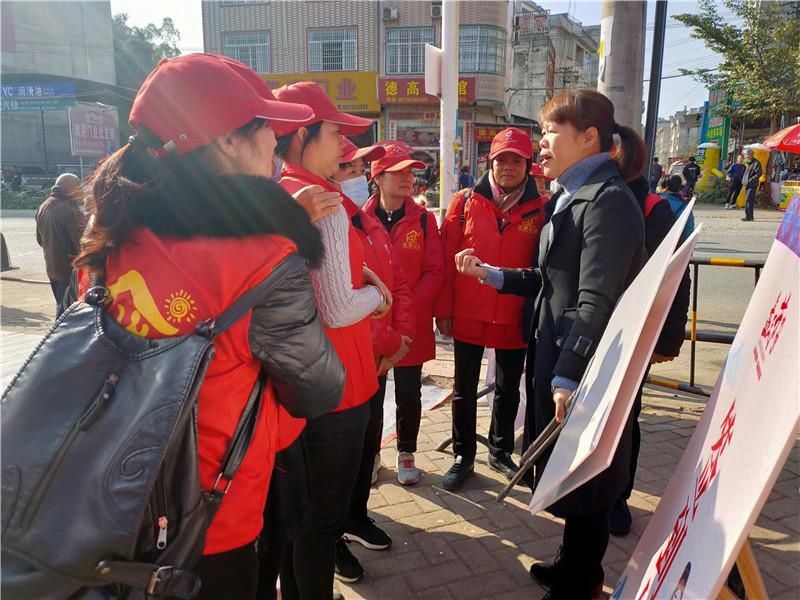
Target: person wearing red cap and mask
x: 391, y: 337
x: 347, y: 295
x: 184, y: 219
x: 500, y: 218
x: 416, y: 242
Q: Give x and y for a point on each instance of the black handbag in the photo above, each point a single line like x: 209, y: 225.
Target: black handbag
x: 100, y: 482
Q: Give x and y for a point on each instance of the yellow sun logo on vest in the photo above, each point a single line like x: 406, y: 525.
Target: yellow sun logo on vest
x: 412, y: 241
x: 180, y: 306
x: 528, y: 225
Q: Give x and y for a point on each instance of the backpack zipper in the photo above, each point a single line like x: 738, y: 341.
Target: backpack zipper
x: 161, y: 520
x: 86, y: 420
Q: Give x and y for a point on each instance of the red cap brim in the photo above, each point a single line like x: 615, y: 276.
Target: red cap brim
x: 349, y: 124
x: 275, y: 110
x: 516, y: 151
x: 368, y: 153
x: 399, y: 166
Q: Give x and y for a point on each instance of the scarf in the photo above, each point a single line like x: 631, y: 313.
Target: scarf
x: 506, y: 201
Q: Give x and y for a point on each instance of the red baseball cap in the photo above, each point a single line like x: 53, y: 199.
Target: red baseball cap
x: 189, y: 101
x: 397, y: 158
x: 512, y: 140
x: 538, y: 171
x: 311, y: 94
x: 350, y: 151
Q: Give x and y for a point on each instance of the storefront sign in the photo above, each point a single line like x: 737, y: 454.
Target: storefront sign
x: 719, y: 127
x: 533, y: 22
x: 396, y: 90
x: 350, y: 91
x: 19, y: 97
x: 93, y: 133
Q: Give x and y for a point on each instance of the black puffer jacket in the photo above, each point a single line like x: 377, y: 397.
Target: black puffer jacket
x: 285, y: 332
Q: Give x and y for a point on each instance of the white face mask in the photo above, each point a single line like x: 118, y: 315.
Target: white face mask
x: 357, y: 189
x: 277, y: 165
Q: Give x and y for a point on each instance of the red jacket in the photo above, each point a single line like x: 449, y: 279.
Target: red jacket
x: 353, y: 343
x: 480, y: 314
x: 163, y: 287
x: 421, y: 256
x: 380, y: 257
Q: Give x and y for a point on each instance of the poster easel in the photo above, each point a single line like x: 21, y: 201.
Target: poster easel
x: 750, y: 574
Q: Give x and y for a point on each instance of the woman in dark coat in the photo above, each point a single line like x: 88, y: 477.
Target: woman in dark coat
x: 590, y: 251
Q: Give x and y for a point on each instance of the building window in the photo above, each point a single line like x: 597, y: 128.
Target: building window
x: 332, y: 49
x: 248, y: 47
x: 405, y: 49
x: 482, y: 49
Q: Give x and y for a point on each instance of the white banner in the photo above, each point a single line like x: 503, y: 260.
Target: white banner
x: 612, y: 378
x: 738, y: 448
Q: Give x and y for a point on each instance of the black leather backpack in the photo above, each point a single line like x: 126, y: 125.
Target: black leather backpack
x: 100, y: 483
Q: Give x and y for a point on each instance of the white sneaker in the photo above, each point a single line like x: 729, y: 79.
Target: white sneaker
x: 407, y: 473
x: 376, y: 466
x: 725, y: 206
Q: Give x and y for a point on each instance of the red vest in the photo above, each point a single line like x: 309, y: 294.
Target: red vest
x: 163, y: 287
x: 380, y: 257
x: 480, y: 314
x: 353, y: 344
x: 421, y: 256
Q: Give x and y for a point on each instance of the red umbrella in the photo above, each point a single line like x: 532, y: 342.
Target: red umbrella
x: 786, y: 140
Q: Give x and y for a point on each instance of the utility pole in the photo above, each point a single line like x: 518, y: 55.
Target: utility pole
x: 656, y: 64
x: 448, y: 177
x: 623, y: 26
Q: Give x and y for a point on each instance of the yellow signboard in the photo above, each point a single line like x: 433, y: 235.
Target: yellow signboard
x: 350, y: 91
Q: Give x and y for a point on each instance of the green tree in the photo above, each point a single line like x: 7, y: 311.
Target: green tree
x: 138, y: 49
x: 760, y: 67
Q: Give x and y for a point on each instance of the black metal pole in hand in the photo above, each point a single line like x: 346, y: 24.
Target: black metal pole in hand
x: 546, y: 439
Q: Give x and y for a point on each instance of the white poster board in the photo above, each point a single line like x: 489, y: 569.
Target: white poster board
x: 738, y: 448
x: 613, y: 376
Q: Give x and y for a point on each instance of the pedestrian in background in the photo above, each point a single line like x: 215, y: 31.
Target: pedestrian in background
x: 691, y: 173
x: 500, y: 219
x: 656, y: 172
x: 59, y: 225
x: 415, y: 239
x: 752, y: 179
x: 735, y: 176
x: 465, y: 178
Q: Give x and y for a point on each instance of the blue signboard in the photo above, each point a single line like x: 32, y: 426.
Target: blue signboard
x: 38, y: 96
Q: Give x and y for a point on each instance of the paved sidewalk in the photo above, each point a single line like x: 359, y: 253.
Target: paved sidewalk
x: 466, y: 546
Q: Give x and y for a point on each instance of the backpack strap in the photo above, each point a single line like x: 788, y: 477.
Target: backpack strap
x: 240, y: 442
x: 250, y: 298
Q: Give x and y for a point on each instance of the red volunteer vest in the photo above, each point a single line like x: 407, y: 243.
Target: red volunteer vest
x: 353, y: 344
x: 163, y: 287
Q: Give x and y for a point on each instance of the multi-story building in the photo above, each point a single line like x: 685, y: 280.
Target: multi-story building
x: 678, y: 136
x: 334, y: 43
x: 57, y: 57
x: 550, y: 53
x: 411, y: 115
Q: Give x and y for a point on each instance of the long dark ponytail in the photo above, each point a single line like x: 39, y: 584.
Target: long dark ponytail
x: 585, y: 108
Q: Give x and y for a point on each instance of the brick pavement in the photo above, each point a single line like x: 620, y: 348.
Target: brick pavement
x: 466, y: 546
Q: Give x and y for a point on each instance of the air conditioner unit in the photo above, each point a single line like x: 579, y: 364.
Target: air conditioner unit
x: 389, y: 13
x: 436, y: 11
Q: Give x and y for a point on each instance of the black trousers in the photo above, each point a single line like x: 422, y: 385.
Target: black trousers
x: 231, y: 575
x: 584, y: 545
x: 408, y: 398
x: 59, y: 288
x: 506, y: 398
x: 372, y: 443
x: 333, y: 445
x: 733, y: 192
x: 636, y: 436
x: 750, y: 203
